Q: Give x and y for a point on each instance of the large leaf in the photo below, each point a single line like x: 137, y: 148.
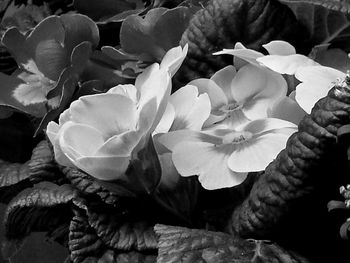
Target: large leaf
x: 14, y: 177
x: 44, y: 207
x: 325, y: 21
x: 177, y: 244
x: 156, y: 33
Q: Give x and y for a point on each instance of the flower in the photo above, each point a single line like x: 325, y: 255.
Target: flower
x: 225, y: 156
x: 50, y: 59
x: 100, y: 133
x: 239, y: 96
x: 316, y: 81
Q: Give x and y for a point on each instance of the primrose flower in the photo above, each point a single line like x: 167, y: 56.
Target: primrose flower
x: 100, y: 133
x: 49, y: 58
x: 316, y: 81
x: 223, y: 157
x: 239, y: 96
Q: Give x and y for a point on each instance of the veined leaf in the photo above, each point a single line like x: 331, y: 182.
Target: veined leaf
x: 325, y: 21
x: 44, y: 207
x: 178, y: 244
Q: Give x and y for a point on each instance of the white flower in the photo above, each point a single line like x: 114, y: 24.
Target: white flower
x: 225, y: 156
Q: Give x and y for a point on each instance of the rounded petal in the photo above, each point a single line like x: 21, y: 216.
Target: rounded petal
x: 288, y: 109
x: 216, y: 95
x: 223, y: 79
x: 208, y: 162
x: 258, y: 93
x: 119, y: 145
x: 127, y: 90
x: 104, y: 168
x: 191, y: 110
x: 255, y: 154
x: 316, y: 82
x: 279, y: 47
x: 78, y: 140
x: 286, y: 64
x: 262, y: 126
x: 166, y: 120
x: 171, y: 139
x: 173, y: 59
x: 110, y: 114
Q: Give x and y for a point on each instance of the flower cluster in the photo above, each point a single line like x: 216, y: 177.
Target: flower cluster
x: 220, y: 128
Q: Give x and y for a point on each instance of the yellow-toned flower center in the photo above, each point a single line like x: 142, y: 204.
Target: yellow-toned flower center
x: 236, y: 137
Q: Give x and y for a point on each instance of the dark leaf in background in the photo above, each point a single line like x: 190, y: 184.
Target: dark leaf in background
x: 178, y: 244
x: 152, y: 36
x: 103, y: 9
x: 44, y: 207
x: 325, y: 21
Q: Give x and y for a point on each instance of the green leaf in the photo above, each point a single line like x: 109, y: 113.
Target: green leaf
x: 178, y: 244
x: 156, y: 33
x: 44, y: 207
x: 325, y: 21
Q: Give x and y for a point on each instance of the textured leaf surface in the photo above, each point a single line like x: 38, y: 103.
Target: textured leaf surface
x: 89, y: 185
x: 223, y: 23
x: 177, y: 244
x: 299, y: 176
x: 336, y: 5
x: 14, y: 177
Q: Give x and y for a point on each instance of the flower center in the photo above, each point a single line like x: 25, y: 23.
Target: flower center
x: 236, y: 137
x: 230, y: 107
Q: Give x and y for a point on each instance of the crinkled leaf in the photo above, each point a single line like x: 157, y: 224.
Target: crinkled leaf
x: 15, y: 177
x: 103, y: 9
x: 178, y: 244
x: 326, y: 21
x: 43, y: 207
x: 89, y: 185
x: 152, y: 36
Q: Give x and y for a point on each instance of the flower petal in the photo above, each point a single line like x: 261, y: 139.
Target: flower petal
x: 111, y: 114
x: 173, y: 59
x: 257, y: 93
x: 261, y: 126
x: 127, y: 90
x: 317, y: 81
x: 104, y: 168
x: 171, y: 139
x: 255, y: 154
x: 286, y: 64
x: 288, y: 109
x: 209, y: 162
x: 216, y: 95
x: 223, y: 79
x: 191, y: 110
x: 166, y: 120
x: 78, y: 140
x: 279, y: 47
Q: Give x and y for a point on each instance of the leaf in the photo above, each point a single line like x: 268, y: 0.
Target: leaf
x: 103, y: 9
x: 89, y: 185
x: 325, y: 21
x: 43, y: 207
x: 14, y: 177
x: 178, y: 244
x: 156, y: 33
